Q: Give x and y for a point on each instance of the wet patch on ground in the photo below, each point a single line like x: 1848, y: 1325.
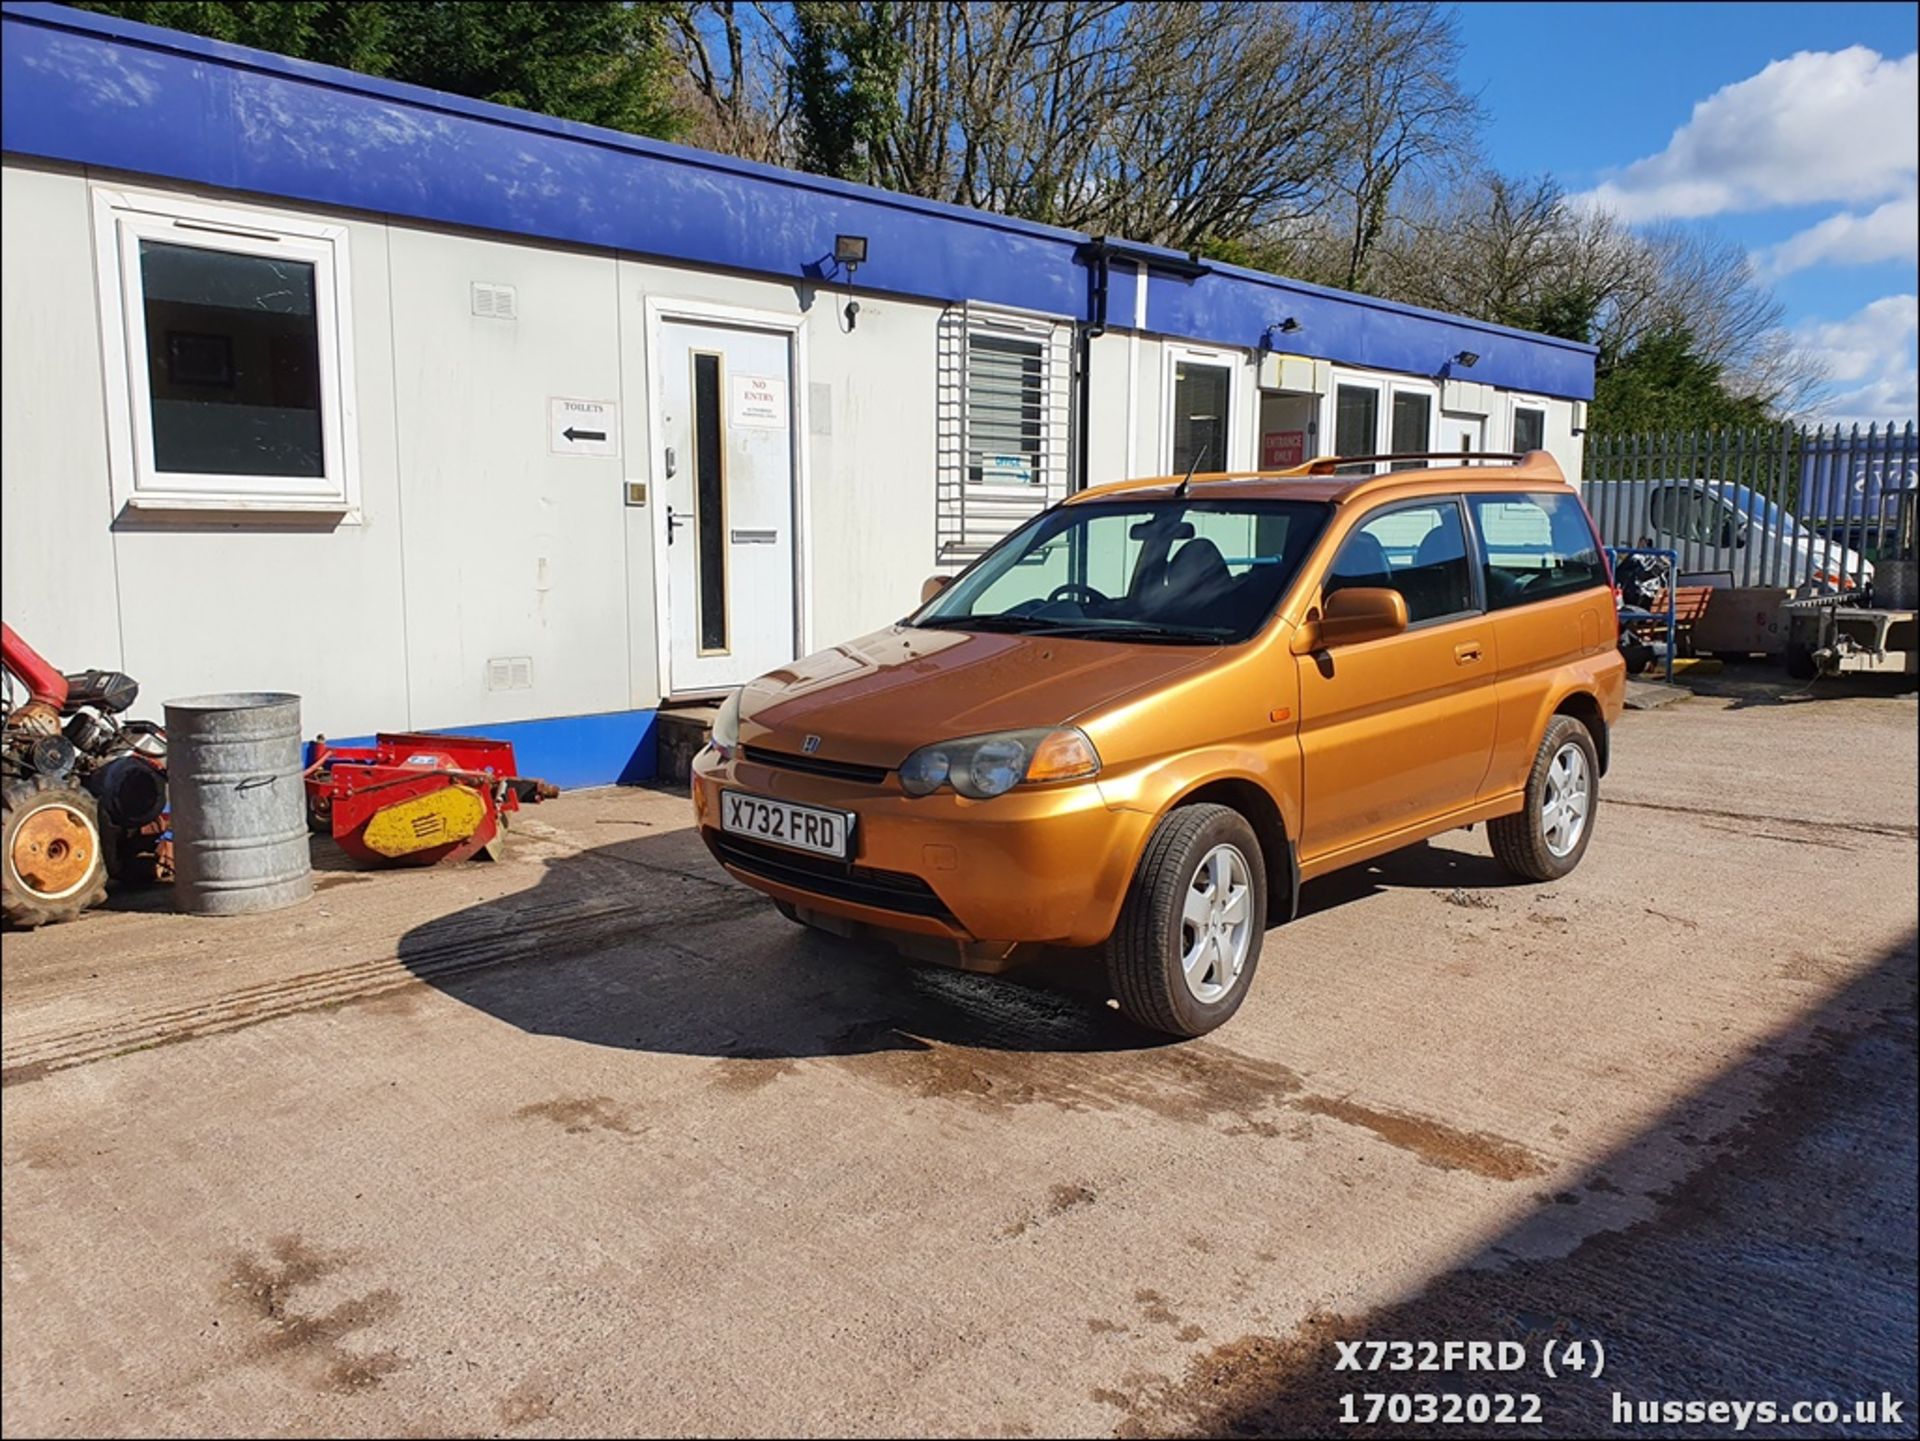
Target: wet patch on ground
x: 311, y: 1343
x: 1434, y: 1142
x: 579, y: 1115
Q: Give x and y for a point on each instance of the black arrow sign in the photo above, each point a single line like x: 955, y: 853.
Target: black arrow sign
x: 571, y: 434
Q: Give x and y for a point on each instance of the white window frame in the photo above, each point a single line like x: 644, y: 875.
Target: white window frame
x: 1239, y: 426
x: 122, y: 219
x: 1051, y: 459
x: 1385, y: 388
x: 1518, y: 403
x: 1397, y: 386
x: 970, y: 516
x: 1330, y: 407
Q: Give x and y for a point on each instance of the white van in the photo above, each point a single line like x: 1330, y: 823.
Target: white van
x: 1721, y: 530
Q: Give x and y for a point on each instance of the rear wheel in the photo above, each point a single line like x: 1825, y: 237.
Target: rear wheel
x: 52, y: 864
x: 1188, y: 942
x: 1546, y: 839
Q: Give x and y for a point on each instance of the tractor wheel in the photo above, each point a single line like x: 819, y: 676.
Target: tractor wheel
x: 52, y: 863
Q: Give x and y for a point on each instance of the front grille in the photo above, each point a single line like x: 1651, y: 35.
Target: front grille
x: 816, y: 765
x: 843, y: 881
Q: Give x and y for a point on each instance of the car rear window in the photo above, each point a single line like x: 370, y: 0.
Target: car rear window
x: 1535, y: 547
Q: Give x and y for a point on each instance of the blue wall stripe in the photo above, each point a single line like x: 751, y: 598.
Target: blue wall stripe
x: 616, y: 748
x: 90, y: 90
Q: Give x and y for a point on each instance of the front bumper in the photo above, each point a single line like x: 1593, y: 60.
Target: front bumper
x: 1047, y: 865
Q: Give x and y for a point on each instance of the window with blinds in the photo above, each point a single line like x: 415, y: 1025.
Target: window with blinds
x: 1004, y: 420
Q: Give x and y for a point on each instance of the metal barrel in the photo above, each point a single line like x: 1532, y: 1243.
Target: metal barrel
x: 239, y: 808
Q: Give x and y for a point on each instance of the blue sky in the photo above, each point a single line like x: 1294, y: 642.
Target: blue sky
x: 1789, y: 127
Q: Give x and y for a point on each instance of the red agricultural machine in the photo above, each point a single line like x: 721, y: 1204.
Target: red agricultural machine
x: 413, y: 799
x: 83, y: 794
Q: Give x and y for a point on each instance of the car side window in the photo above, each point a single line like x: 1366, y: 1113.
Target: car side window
x: 1418, y: 550
x: 1534, y: 547
x: 1673, y: 510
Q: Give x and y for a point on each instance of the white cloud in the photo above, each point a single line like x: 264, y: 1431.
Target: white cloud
x: 1891, y: 232
x: 1820, y: 126
x: 1870, y: 359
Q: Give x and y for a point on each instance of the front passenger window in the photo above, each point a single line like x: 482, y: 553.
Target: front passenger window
x: 1418, y: 550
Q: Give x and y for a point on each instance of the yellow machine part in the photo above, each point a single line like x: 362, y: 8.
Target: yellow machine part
x: 438, y: 818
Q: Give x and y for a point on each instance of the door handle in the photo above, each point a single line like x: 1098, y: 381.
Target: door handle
x: 674, y: 522
x: 1467, y: 652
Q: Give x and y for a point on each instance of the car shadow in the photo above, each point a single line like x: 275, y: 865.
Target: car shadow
x: 645, y: 944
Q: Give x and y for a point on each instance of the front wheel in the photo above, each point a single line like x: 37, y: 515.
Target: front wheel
x: 1546, y: 839
x: 1188, y: 942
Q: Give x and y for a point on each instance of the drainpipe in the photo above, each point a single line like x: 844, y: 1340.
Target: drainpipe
x: 1096, y: 257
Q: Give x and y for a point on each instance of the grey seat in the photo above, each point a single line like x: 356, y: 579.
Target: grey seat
x: 1362, y: 562
x: 1196, y: 581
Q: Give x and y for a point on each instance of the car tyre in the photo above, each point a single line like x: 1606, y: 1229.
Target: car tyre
x: 1184, y: 953
x: 1545, y: 840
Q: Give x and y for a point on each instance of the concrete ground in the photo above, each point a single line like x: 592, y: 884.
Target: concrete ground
x: 593, y: 1141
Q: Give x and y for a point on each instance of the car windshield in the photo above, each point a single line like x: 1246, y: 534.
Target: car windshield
x: 1171, y: 572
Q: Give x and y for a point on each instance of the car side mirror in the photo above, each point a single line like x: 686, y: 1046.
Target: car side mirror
x: 932, y: 586
x: 1357, y: 613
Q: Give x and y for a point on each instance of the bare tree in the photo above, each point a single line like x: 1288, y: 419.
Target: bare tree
x: 1408, y: 116
x: 733, y: 85
x: 1180, y: 124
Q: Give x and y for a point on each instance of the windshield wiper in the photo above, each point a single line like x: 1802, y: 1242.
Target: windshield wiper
x: 1127, y: 630
x: 1017, y: 624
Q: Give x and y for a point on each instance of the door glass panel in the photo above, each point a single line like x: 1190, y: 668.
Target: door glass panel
x: 1201, y: 397
x: 1356, y: 423
x: 1418, y: 550
x: 1412, y: 425
x: 710, y: 503
x: 233, y: 362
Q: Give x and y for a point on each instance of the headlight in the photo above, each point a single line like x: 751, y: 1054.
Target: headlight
x: 726, y: 725
x: 925, y: 771
x: 981, y: 767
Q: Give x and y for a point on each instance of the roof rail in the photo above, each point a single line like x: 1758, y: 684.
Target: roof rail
x: 1331, y: 464
x: 1531, y: 462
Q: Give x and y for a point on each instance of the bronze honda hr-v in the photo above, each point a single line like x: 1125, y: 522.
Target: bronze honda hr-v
x: 1145, y: 718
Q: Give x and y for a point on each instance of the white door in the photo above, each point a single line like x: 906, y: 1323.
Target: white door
x: 1463, y: 434
x: 724, y: 461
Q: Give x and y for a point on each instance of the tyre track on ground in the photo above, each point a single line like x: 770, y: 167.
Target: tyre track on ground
x: 492, y: 935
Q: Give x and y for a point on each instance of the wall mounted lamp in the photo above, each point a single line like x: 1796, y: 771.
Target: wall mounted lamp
x: 1467, y: 359
x: 849, y: 254
x: 1279, y: 327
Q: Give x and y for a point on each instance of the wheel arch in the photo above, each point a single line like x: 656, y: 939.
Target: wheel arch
x: 1257, y: 806
x: 1584, y: 707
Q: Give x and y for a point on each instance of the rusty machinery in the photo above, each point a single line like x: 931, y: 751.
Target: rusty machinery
x: 83, y: 794
x: 1833, y: 634
x: 413, y: 799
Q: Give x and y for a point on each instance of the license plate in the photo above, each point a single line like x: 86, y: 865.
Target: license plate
x: 800, y: 828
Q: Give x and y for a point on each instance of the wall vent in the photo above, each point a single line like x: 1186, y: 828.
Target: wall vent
x: 494, y: 302
x: 510, y: 672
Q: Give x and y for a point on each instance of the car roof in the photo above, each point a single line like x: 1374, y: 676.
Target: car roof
x: 1317, y: 481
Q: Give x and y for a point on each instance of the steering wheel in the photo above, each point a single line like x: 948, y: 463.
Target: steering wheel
x: 1073, y: 588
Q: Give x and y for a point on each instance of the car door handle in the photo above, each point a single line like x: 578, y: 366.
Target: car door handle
x: 1467, y: 652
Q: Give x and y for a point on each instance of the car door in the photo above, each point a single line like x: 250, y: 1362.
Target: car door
x: 1397, y: 731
